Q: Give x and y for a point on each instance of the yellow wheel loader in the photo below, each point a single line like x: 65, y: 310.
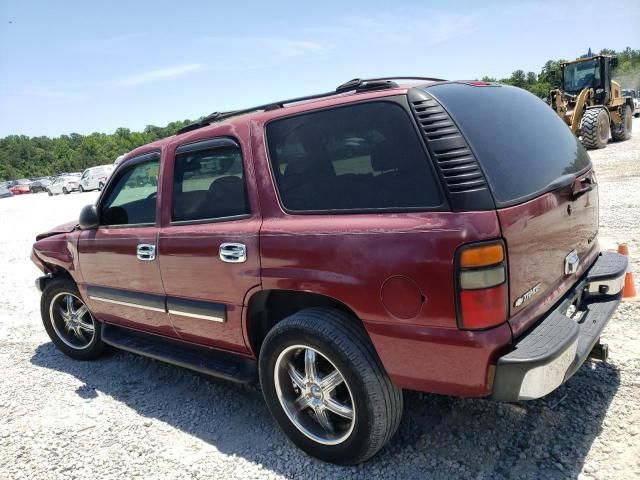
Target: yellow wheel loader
x: 591, y: 103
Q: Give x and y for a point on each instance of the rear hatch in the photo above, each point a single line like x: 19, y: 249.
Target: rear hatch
x: 543, y: 186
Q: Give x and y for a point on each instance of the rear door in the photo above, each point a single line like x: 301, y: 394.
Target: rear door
x: 118, y: 260
x: 209, y: 249
x: 543, y: 186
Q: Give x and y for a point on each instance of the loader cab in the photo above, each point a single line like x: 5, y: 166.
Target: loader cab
x: 594, y: 72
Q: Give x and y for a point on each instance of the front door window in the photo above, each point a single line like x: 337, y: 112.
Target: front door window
x: 132, y: 199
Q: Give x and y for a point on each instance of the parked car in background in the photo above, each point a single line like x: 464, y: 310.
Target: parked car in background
x: 629, y: 92
x: 5, y: 192
x: 95, y: 178
x: 21, y: 187
x: 65, y: 184
x: 38, y: 186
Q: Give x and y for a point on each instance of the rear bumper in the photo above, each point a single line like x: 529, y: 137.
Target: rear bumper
x: 550, y: 353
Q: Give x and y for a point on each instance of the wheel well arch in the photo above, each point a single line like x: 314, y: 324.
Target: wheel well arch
x: 55, y: 271
x: 267, y: 307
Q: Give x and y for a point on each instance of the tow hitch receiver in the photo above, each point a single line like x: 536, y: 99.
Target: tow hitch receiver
x: 600, y: 351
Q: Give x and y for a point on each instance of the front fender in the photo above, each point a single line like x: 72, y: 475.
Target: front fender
x: 57, y: 253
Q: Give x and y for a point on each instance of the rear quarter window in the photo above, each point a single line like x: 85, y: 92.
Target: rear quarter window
x: 520, y: 142
x: 359, y: 157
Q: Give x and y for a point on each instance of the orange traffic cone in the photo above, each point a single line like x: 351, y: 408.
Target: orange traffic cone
x: 629, y: 291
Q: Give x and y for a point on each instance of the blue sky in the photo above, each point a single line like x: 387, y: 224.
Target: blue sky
x: 72, y: 66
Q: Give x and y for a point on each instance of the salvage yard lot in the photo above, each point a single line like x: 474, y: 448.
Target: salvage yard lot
x: 129, y: 417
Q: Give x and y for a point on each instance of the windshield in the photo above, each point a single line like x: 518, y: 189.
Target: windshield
x: 581, y: 75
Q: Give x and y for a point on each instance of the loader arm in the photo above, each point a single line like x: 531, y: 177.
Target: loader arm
x: 576, y: 115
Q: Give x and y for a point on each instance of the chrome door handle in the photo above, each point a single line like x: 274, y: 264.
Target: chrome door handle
x: 146, y: 252
x: 233, y: 252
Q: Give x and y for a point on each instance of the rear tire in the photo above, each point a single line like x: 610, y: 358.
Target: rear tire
x: 370, y: 405
x: 595, y: 128
x: 49, y: 193
x: 68, y: 322
x: 65, y: 191
x: 81, y: 189
x: 622, y: 131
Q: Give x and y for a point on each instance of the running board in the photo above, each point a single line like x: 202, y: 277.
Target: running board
x: 201, y: 359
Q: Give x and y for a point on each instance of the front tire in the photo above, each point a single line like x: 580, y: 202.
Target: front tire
x: 326, y: 387
x: 49, y: 193
x: 81, y: 189
x: 68, y: 322
x: 594, y: 126
x: 622, y: 130
x: 65, y: 191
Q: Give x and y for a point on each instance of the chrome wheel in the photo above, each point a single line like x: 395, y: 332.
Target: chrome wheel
x: 314, y: 395
x: 71, y: 320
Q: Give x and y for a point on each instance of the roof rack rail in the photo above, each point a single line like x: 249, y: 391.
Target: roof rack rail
x: 357, y: 85
x: 217, y: 116
x: 408, y: 77
x: 366, y: 84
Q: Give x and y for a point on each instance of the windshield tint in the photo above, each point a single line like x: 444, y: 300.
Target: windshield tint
x: 521, y: 143
x: 581, y: 75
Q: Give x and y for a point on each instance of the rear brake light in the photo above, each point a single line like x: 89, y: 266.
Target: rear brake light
x: 481, y: 281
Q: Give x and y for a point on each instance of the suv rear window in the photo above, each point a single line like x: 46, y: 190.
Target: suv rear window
x: 352, y: 158
x: 520, y: 142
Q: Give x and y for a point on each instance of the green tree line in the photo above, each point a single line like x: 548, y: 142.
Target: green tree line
x: 22, y: 156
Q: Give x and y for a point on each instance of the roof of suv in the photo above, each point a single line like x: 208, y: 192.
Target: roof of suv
x: 352, y: 91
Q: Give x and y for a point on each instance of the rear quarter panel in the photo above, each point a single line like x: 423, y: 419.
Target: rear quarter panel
x: 349, y: 257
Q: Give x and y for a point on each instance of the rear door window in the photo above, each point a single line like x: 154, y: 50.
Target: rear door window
x: 520, y: 142
x: 209, y: 184
x: 355, y: 158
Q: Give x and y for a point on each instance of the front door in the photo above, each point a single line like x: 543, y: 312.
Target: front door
x: 118, y: 260
x: 209, y: 252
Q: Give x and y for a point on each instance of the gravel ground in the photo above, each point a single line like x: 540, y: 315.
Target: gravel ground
x: 129, y: 417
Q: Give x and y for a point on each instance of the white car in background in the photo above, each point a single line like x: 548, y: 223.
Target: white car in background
x: 64, y: 184
x: 95, y: 177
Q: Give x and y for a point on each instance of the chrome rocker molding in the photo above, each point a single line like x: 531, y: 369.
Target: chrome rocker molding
x: 127, y: 298
x: 211, y: 311
x: 127, y: 304
x: 215, y: 312
x: 195, y: 315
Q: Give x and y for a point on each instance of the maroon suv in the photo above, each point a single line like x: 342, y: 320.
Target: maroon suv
x: 436, y: 236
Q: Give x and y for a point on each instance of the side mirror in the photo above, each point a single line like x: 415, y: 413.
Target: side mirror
x: 89, y: 218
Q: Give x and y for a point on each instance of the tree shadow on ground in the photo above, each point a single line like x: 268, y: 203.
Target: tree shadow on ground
x: 440, y: 437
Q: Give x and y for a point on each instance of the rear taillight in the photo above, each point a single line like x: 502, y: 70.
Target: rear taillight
x: 481, y: 281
